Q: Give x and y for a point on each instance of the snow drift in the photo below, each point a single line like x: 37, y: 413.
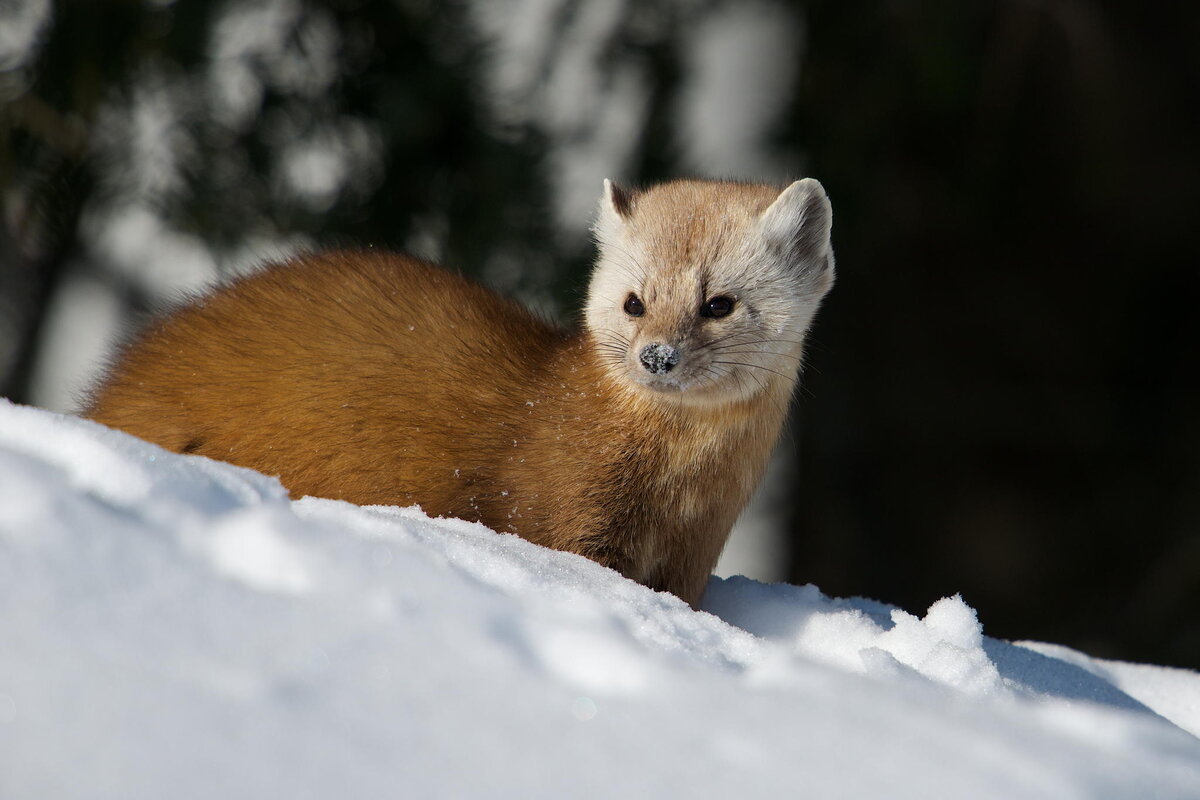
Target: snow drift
x: 172, y: 626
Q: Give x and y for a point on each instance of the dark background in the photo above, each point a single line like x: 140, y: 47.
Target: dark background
x: 1001, y: 397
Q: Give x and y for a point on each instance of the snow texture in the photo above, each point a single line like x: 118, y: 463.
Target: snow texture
x: 172, y: 626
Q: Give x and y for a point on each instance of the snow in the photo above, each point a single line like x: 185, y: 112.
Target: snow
x: 172, y: 626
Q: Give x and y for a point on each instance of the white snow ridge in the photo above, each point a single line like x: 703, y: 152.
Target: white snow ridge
x: 176, y: 627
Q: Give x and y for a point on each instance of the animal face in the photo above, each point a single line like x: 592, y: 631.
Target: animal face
x: 702, y: 291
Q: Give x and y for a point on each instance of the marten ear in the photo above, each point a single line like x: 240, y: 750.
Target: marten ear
x: 617, y: 201
x: 616, y: 208
x: 799, y: 221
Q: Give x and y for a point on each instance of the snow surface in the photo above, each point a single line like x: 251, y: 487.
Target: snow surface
x: 172, y: 626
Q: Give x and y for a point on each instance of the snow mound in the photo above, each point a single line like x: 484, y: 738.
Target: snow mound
x: 176, y: 627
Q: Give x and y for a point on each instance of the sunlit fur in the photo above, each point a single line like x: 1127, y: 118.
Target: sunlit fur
x: 377, y: 378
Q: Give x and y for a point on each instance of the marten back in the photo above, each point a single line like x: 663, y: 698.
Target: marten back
x: 313, y: 369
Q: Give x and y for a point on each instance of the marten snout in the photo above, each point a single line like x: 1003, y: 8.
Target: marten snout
x: 659, y: 359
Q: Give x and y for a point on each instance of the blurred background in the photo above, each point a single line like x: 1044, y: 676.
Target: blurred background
x: 1001, y: 396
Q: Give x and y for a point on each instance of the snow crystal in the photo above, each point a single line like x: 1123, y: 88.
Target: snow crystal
x: 946, y: 646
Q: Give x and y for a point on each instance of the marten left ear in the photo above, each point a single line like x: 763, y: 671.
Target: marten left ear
x: 799, y: 221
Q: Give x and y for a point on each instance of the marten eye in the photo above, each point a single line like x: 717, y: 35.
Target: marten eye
x: 633, y: 305
x: 716, y: 306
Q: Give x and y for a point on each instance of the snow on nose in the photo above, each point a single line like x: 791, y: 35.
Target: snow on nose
x: 659, y: 358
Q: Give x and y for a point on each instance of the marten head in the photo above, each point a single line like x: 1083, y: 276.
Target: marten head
x: 703, y: 291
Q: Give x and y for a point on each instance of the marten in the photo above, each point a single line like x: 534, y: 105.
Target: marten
x: 379, y: 378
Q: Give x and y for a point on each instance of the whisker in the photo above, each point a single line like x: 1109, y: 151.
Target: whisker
x: 754, y: 344
x: 765, y: 389
x: 756, y: 366
x: 800, y: 386
x: 758, y: 380
x: 726, y: 351
x: 617, y: 336
x: 761, y: 338
x: 729, y: 336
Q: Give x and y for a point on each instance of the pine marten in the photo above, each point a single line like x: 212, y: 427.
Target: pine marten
x: 378, y: 378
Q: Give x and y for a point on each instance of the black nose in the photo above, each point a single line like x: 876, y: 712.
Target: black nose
x: 659, y: 358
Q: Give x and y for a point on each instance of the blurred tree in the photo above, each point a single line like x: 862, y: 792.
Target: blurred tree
x: 148, y: 140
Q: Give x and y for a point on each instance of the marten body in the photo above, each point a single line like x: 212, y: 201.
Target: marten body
x: 380, y: 379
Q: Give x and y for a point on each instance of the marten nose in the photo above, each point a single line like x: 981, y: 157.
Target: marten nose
x: 659, y: 358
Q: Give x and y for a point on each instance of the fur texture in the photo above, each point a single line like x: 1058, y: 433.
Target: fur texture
x: 377, y: 378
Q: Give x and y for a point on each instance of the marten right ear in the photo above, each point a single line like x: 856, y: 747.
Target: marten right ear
x: 798, y: 222
x: 616, y: 209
